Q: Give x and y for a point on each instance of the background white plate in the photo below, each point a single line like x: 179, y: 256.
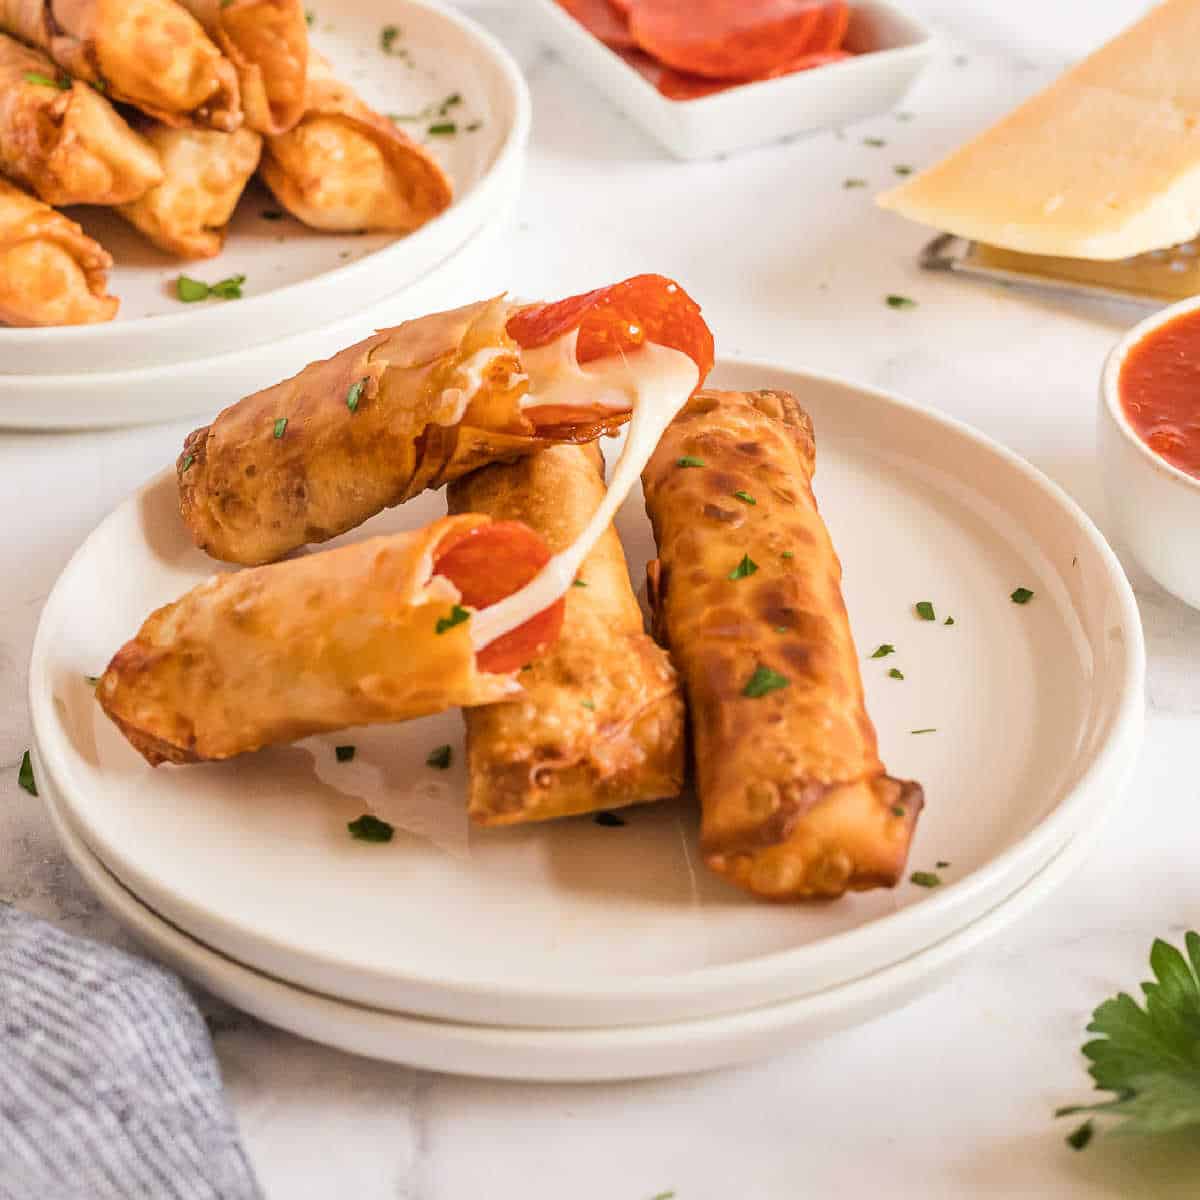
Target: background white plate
x: 298, y: 279
x: 1038, y: 712
x: 565, y: 1055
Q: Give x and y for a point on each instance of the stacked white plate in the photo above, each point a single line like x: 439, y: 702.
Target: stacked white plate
x: 575, y: 950
x: 307, y: 294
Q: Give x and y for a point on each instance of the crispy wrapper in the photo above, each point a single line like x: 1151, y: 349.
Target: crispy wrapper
x: 344, y: 168
x: 795, y: 802
x: 149, y: 53
x: 322, y: 642
x: 367, y: 429
x: 600, y: 723
x: 66, y: 144
x: 267, y: 42
x: 51, y: 272
x: 205, y: 175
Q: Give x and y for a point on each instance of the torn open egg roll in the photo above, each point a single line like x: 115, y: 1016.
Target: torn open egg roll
x: 62, y: 139
x: 149, y: 53
x: 600, y: 722
x: 344, y: 168
x: 205, y: 173
x: 267, y: 42
x: 51, y: 272
x: 747, y: 594
x: 370, y: 633
x: 418, y: 405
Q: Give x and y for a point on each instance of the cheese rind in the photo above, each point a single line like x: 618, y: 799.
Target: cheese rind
x: 1103, y: 164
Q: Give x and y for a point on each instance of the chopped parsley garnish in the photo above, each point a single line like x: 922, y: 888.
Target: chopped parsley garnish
x: 92, y: 680
x: 781, y: 629
x: 1021, y: 596
x: 387, y: 38
x: 787, y: 554
x: 25, y: 775
x: 1077, y: 1139
x: 449, y: 102
x: 1149, y: 1058
x: 898, y: 810
x: 474, y: 125
x: 190, y: 290
x: 854, y: 183
x: 188, y: 459
x: 884, y: 650
x: 590, y: 705
x: 353, y: 394
x: 925, y: 879
x: 370, y: 829
x: 894, y: 301
x: 62, y: 82
x: 895, y: 674
x: 100, y: 86
x: 440, y: 757
x: 280, y: 426
x: 344, y: 753
x: 930, y: 730
x: 744, y: 497
x: 948, y: 621
x: 579, y: 583
x: 271, y: 214
x: 689, y: 460
x: 746, y: 567
x: 902, y: 169
x: 875, y: 142
x: 442, y: 129
x: 310, y: 17
x: 457, y: 616
x: 764, y: 680
x: 608, y: 819
x: 664, y: 1196
x: 925, y: 610
x: 229, y: 289
x: 941, y: 864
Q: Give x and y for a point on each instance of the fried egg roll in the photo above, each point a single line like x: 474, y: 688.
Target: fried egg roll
x: 62, y: 139
x: 344, y: 168
x: 746, y: 591
x: 205, y: 173
x: 267, y: 42
x: 365, y: 634
x: 416, y: 406
x: 600, y: 723
x: 149, y: 53
x: 51, y: 272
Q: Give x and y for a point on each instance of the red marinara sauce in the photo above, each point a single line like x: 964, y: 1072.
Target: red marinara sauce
x: 1160, y: 391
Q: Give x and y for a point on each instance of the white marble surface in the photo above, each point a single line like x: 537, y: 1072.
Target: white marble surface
x: 950, y: 1097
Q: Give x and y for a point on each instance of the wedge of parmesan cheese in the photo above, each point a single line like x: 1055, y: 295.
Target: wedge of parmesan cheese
x: 1103, y: 164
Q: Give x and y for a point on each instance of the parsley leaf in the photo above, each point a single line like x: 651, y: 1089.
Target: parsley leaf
x: 25, y: 775
x: 925, y: 879
x: 745, y: 568
x: 948, y: 621
x: 744, y: 497
x: 579, y: 583
x: 440, y: 757
x: 190, y: 290
x: 902, y: 169
x: 62, y: 82
x: 280, y: 426
x: 874, y: 142
x: 764, y: 680
x: 894, y: 673
x: 188, y: 459
x: 894, y: 301
x: 457, y: 616
x: 1021, y: 596
x: 931, y: 730
x: 355, y: 391
x: 854, y: 183
x: 1150, y: 1057
x: 370, y: 829
x: 229, y: 289
x: 442, y: 129
x: 925, y: 610
x: 1079, y: 1138
x: 787, y: 554
x: 884, y: 650
x: 387, y: 38
x: 689, y: 461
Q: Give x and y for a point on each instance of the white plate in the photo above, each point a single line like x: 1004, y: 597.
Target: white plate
x: 296, y: 278
x: 897, y: 47
x: 565, y: 1055
x: 1038, y: 710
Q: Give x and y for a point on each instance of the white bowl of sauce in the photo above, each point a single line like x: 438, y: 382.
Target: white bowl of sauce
x: 1149, y: 445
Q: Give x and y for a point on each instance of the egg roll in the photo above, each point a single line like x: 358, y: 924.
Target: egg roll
x: 205, y: 173
x: 600, y: 723
x: 267, y: 42
x: 62, y: 140
x: 369, y: 633
x: 344, y: 168
x: 51, y: 272
x: 746, y: 592
x: 152, y: 54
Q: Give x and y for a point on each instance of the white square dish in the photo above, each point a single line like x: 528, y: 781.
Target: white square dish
x: 892, y: 48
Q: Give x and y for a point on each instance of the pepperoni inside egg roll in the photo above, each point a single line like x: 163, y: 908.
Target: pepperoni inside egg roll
x: 747, y: 594
x: 344, y: 168
x: 62, y: 139
x: 267, y: 42
x: 417, y: 406
x: 149, y: 53
x: 51, y: 272
x: 369, y: 633
x: 600, y: 722
x: 205, y: 175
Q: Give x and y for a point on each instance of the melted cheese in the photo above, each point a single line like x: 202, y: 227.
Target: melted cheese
x: 468, y: 381
x: 655, y: 383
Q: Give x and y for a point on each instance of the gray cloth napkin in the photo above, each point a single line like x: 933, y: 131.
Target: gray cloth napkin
x: 108, y: 1085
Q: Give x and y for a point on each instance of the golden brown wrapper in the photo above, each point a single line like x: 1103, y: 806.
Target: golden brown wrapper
x: 600, y: 723
x: 367, y: 429
x: 318, y: 643
x: 267, y: 42
x: 795, y: 802
x: 205, y: 173
x: 51, y: 272
x: 344, y: 168
x: 149, y: 53
x: 68, y: 145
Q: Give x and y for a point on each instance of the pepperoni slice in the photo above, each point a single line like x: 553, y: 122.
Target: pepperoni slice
x: 486, y: 564
x: 724, y: 39
x: 620, y: 318
x: 622, y: 6
x: 677, y: 85
x: 603, y: 19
